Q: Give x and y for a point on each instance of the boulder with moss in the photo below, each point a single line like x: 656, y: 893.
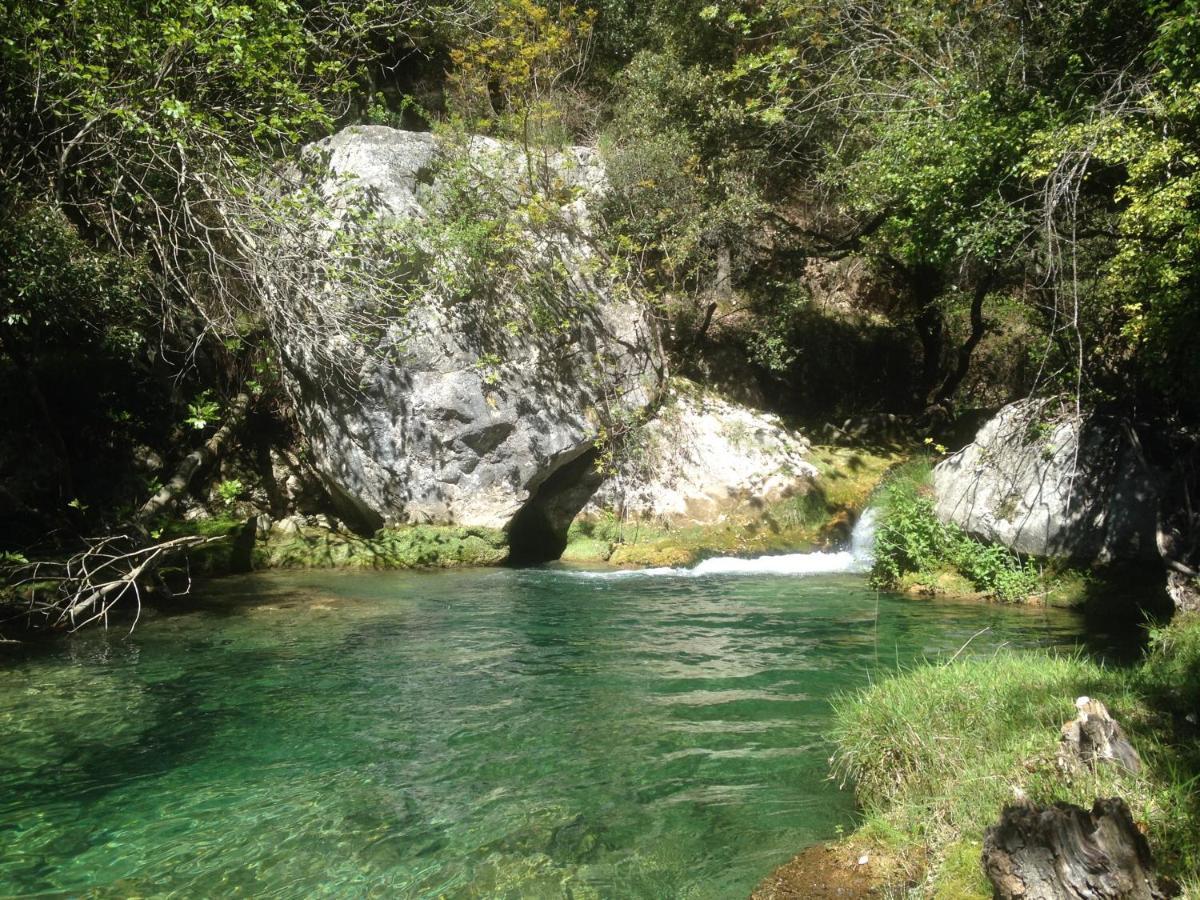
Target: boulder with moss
x: 499, y: 365
x: 703, y: 460
x: 704, y: 476
x: 300, y: 543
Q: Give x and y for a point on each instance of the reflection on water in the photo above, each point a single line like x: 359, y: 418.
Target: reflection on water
x: 472, y: 734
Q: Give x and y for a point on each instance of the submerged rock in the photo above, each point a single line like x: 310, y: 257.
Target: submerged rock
x: 465, y: 402
x: 1051, y: 487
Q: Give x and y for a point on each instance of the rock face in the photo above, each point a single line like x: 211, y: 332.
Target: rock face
x: 1050, y: 488
x: 703, y: 459
x: 464, y: 406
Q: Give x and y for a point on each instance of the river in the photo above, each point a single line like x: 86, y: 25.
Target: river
x: 487, y: 733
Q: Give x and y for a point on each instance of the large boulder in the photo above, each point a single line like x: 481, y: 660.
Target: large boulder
x: 703, y: 460
x: 461, y: 405
x: 1051, y: 486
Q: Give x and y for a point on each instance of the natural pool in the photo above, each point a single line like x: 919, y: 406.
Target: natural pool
x: 492, y: 733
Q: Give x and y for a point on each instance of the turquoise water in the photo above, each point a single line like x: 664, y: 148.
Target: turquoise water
x: 496, y: 733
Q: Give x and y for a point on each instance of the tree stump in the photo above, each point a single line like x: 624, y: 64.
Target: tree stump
x: 1063, y: 852
x: 1095, y: 737
x: 1184, y: 591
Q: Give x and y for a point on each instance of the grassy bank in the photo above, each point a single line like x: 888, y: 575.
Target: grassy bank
x: 935, y: 754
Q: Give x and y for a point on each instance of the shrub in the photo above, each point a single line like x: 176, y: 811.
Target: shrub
x: 910, y: 539
x: 1172, y: 670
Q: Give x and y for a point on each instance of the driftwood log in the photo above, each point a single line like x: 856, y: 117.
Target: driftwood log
x: 201, y: 456
x: 1094, y: 737
x: 1063, y: 852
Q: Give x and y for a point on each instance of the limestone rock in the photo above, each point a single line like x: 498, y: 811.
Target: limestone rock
x: 703, y: 459
x: 466, y: 406
x: 1051, y: 488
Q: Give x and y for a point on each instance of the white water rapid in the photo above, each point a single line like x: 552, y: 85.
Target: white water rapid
x: 858, y: 558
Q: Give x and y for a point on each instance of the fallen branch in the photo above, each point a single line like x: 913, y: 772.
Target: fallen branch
x: 115, y: 568
x: 87, y: 586
x: 193, y: 462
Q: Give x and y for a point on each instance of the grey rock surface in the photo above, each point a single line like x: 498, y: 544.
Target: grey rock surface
x: 1051, y: 487
x: 464, y: 406
x: 703, y: 459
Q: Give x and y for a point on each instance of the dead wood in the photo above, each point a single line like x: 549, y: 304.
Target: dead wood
x: 1063, y: 852
x: 118, y: 568
x: 1094, y: 737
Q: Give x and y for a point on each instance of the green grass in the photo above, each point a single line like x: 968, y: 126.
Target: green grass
x: 1171, y: 674
x: 935, y: 753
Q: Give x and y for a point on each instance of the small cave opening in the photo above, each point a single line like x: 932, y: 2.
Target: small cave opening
x: 538, y: 533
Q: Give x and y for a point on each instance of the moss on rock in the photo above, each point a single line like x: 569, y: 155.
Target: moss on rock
x: 404, y: 547
x: 581, y: 548
x: 817, y: 519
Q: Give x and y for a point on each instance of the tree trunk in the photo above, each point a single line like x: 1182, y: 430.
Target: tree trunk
x: 925, y: 284
x: 1064, y: 852
x: 978, y: 330
x: 1184, y: 591
x: 723, y: 288
x: 1095, y: 738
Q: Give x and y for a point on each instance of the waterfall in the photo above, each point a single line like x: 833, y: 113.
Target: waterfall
x: 862, y: 539
x: 857, y: 558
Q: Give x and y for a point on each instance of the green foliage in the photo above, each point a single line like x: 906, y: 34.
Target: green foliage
x: 1172, y: 669
x: 56, y: 289
x: 513, y: 76
x: 993, y: 568
x: 910, y: 539
x: 682, y: 183
x: 202, y: 411
x: 229, y: 490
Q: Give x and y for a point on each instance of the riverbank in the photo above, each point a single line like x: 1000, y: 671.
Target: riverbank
x: 934, y: 753
x: 817, y: 520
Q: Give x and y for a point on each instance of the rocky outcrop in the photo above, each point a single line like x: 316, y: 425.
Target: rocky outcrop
x: 703, y: 460
x: 1051, y: 486
x: 496, y: 371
